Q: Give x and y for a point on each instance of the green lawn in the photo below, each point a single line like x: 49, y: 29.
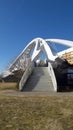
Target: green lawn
x: 36, y: 113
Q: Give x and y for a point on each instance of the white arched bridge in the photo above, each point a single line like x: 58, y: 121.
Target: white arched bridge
x: 42, y: 73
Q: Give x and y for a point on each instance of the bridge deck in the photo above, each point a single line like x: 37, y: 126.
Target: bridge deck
x: 39, y: 81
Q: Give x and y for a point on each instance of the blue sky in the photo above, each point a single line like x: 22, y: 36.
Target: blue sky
x: 23, y: 20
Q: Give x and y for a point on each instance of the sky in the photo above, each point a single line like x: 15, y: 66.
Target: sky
x: 23, y: 20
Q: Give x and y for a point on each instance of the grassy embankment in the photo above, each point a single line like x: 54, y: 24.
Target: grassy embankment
x: 36, y: 112
x: 8, y: 86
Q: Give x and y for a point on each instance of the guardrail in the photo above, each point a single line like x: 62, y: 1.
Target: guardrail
x: 27, y: 73
x: 52, y: 75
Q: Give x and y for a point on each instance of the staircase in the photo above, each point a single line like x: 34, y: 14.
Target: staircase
x: 39, y: 81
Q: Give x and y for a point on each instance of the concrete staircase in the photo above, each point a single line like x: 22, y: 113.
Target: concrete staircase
x: 39, y: 81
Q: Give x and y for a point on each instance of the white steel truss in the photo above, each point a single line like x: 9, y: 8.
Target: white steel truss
x: 33, y: 50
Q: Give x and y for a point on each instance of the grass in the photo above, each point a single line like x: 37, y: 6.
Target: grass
x: 8, y: 86
x: 36, y: 112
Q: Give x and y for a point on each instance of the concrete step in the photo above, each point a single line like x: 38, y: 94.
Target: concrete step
x: 40, y: 80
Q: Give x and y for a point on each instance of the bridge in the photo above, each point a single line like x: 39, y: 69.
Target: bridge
x: 34, y: 74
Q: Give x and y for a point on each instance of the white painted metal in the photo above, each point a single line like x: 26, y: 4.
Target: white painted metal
x: 60, y: 41
x: 38, y: 45
x: 43, y: 45
x: 52, y: 75
x: 26, y: 74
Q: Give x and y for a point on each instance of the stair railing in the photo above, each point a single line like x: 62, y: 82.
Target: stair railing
x: 52, y: 75
x: 27, y: 73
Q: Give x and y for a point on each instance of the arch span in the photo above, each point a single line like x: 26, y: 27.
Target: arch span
x: 38, y: 45
x: 61, y: 41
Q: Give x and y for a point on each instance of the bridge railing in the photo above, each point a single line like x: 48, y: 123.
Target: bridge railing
x: 52, y: 75
x: 27, y: 73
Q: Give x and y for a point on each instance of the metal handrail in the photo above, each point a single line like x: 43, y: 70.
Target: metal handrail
x: 26, y: 74
x: 52, y: 75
